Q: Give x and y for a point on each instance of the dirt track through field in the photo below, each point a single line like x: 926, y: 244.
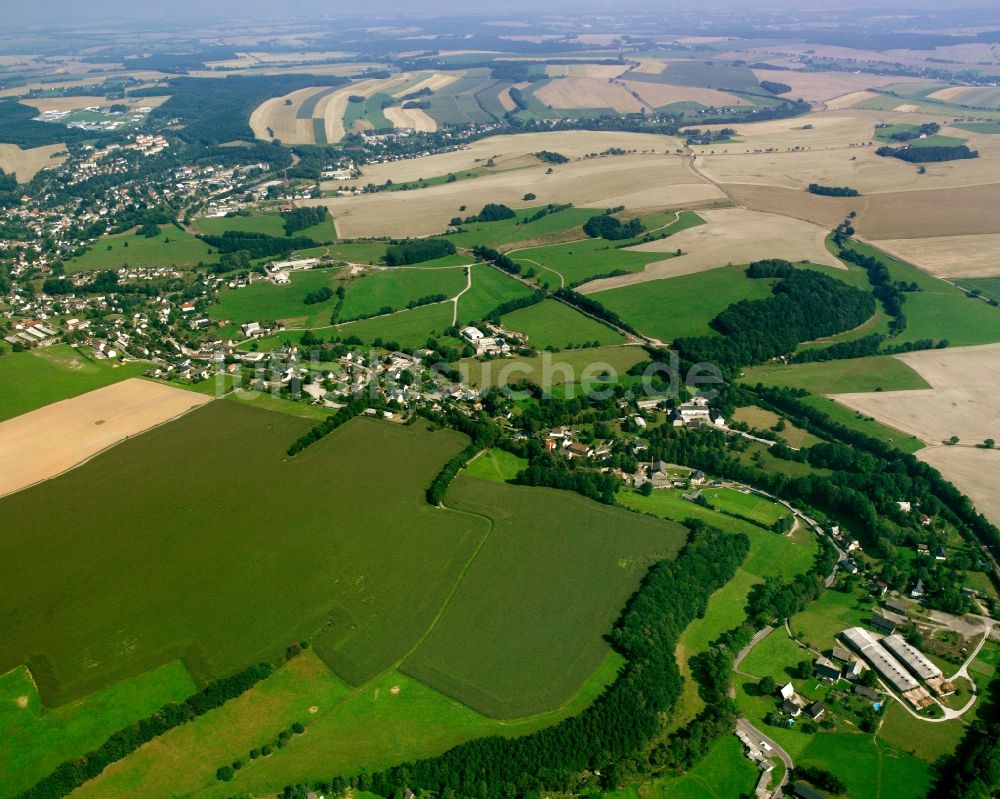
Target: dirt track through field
x: 44, y: 443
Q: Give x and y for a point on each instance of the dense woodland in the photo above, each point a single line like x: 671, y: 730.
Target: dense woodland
x: 257, y: 245
x: 928, y: 155
x: 415, y: 251
x: 605, y: 226
x: 833, y: 191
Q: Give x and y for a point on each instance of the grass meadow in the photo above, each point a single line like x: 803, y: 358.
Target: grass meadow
x: 526, y: 625
x: 878, y: 373
x: 496, y: 465
x: 550, y: 370
x: 551, y: 323
x: 37, y: 739
x: 390, y: 719
x: 173, y: 247
x: 747, y: 506
x: 329, y: 539
x: 45, y: 375
x: 396, y: 287
x: 490, y: 288
x: 685, y: 305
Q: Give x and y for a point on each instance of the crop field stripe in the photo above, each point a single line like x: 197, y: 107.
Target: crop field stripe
x: 308, y: 107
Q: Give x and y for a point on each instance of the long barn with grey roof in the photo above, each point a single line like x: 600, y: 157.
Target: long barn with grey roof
x: 911, y: 657
x: 883, y: 662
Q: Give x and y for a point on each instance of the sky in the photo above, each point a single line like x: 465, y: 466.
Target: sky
x: 49, y: 11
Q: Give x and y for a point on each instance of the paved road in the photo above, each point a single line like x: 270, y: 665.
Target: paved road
x: 757, y: 736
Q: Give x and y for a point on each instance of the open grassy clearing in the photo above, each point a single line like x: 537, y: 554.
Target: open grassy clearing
x: 45, y: 375
x: 685, y: 305
x: 869, y: 767
x: 511, y: 231
x: 864, y: 424
x: 495, y: 464
x: 396, y: 287
x: 879, y: 373
x: 269, y: 224
x: 482, y: 652
x: 263, y: 301
x: 551, y: 323
x: 390, y: 719
x: 113, y: 617
x: 731, y: 236
x: 38, y: 445
x: 36, y: 739
x: 408, y: 329
x: 25, y: 164
x: 567, y: 368
x: 173, y: 247
x: 762, y: 419
x: 490, y: 288
x: 925, y: 741
x: 745, y: 505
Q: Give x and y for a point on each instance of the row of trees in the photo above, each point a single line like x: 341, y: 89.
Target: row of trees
x: 833, y: 191
x: 928, y: 155
x: 327, y: 426
x: 414, y: 251
x: 605, y: 226
x: 257, y: 245
x: 556, y: 471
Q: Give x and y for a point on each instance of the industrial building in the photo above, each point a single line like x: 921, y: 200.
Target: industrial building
x: 911, y: 657
x: 885, y: 664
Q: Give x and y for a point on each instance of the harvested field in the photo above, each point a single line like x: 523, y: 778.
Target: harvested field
x: 849, y: 100
x: 661, y: 94
x: 817, y: 87
x: 505, y: 100
x: 41, y: 444
x: 634, y: 181
x: 602, y: 71
x: 587, y: 93
x: 25, y: 164
x: 509, y: 152
x: 275, y: 117
x: 895, y: 215
x: 415, y: 118
x: 949, y: 94
x: 813, y: 131
x: 963, y: 401
x: 949, y: 256
x: 855, y: 166
x: 976, y: 472
x: 43, y: 104
x: 731, y: 236
x: 434, y: 82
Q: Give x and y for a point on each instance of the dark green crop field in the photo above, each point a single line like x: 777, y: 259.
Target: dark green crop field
x: 526, y: 624
x: 201, y: 540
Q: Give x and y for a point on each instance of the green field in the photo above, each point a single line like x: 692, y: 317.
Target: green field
x: 870, y: 768
x: 548, y: 370
x: 510, y: 231
x: 371, y: 566
x: 352, y: 728
x: 396, y: 287
x: 263, y: 301
x: 44, y: 375
x: 526, y: 625
x: 683, y: 306
x: 852, y: 419
x: 707, y: 74
x: 490, y: 287
x: 36, y: 739
x: 174, y: 247
x: 269, y: 224
x: 745, y: 505
x: 408, y: 329
x: 885, y: 135
x: 987, y: 286
x: 551, y: 323
x: 879, y: 373
x: 978, y: 127
x: 939, y: 310
x: 497, y: 465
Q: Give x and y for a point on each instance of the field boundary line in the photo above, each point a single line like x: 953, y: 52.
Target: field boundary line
x: 90, y: 457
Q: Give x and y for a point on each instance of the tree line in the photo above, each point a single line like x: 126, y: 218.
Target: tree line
x: 928, y: 155
x: 415, y: 251
x: 301, y: 218
x: 257, y: 245
x: 833, y: 191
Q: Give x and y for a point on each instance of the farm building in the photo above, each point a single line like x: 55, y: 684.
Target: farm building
x: 882, y: 624
x: 897, y: 606
x: 884, y: 663
x: 803, y: 791
x: 826, y: 669
x: 911, y: 657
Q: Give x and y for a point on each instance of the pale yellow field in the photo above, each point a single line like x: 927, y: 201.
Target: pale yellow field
x: 661, y: 94
x: 817, y: 87
x: 601, y: 71
x: 950, y: 93
x: 829, y: 129
x: 25, y: 164
x: 39, y: 445
x: 587, y: 93
x: 949, y: 256
x: 511, y: 152
x: 976, y: 472
x: 415, y: 118
x: 434, y: 82
x: 43, y: 104
x: 275, y: 119
x: 505, y: 99
x: 963, y: 401
x: 858, y: 167
x: 849, y: 100
x: 635, y: 181
x: 730, y: 236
